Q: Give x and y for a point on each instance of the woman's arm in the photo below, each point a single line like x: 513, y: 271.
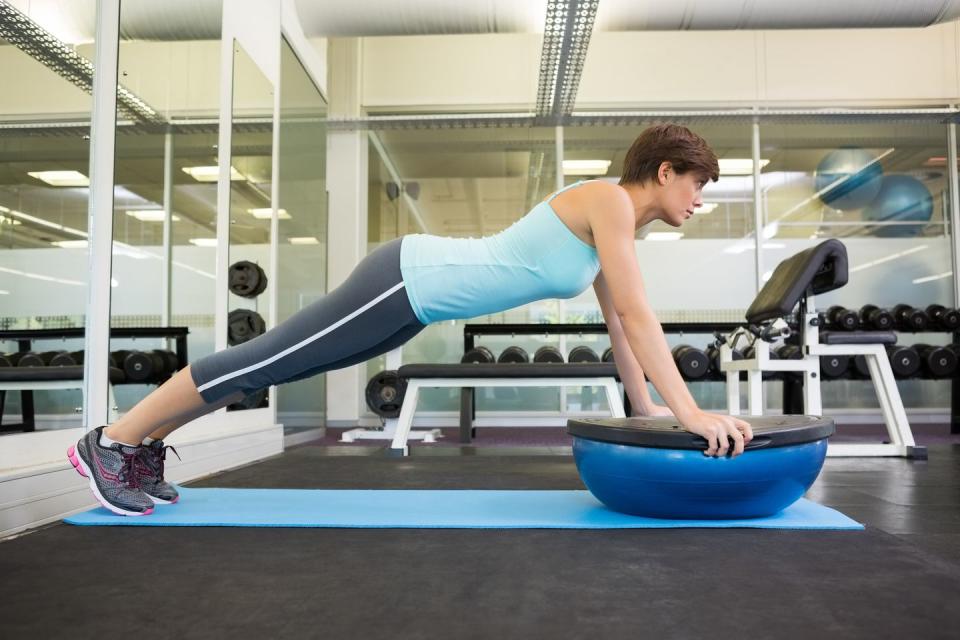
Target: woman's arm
x: 612, y: 222
x: 631, y: 374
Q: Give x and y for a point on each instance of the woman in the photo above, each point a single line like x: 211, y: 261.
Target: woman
x: 582, y: 234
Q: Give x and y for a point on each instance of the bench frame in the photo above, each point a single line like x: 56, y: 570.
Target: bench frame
x: 902, y: 443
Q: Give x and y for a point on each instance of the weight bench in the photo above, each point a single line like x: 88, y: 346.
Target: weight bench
x: 471, y: 375
x: 794, y: 283
x: 26, y: 380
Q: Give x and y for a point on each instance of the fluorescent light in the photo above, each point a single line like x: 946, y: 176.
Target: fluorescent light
x: 585, y: 167
x: 151, y: 215
x: 264, y: 214
x: 71, y: 244
x: 663, y: 236
x: 739, y: 166
x: 945, y: 274
x: 37, y: 276
x: 4, y: 293
x: 61, y: 178
x: 892, y: 256
x: 706, y: 207
x: 304, y: 240
x: 204, y: 242
x: 210, y: 174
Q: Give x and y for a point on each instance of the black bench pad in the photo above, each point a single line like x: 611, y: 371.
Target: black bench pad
x: 41, y: 374
x: 858, y: 337
x: 514, y: 370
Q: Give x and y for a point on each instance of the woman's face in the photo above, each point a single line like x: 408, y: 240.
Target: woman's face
x: 681, y: 194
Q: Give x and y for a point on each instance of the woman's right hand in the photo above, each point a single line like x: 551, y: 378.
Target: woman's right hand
x: 718, y: 430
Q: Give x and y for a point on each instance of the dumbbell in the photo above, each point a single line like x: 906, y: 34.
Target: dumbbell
x: 384, y: 394
x: 77, y: 357
x: 5, y: 360
x: 713, y: 355
x: 905, y: 361
x: 548, y: 355
x: 788, y: 352
x: 607, y: 355
x: 936, y: 361
x: 246, y: 279
x: 478, y: 355
x: 582, y: 354
x: 833, y: 367
x: 255, y: 400
x: 140, y: 366
x: 244, y: 325
x: 692, y: 362
x: 873, y: 317
x: 63, y: 359
x: 909, y: 319
x: 943, y: 318
x: 843, y: 319
x: 513, y: 355
x: 37, y: 359
x: 749, y: 353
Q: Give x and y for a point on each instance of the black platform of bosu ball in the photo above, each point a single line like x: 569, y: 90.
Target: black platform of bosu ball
x: 652, y: 467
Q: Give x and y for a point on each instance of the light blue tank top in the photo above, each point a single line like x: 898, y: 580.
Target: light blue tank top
x: 536, y: 257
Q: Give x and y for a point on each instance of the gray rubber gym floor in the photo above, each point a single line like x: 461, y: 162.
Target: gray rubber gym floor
x: 897, y: 579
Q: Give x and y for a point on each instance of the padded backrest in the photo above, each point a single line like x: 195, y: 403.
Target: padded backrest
x: 815, y: 270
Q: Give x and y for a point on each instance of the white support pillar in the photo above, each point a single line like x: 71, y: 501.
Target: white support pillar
x: 103, y: 125
x: 347, y: 169
x: 954, y: 208
x: 166, y: 284
x: 758, y: 213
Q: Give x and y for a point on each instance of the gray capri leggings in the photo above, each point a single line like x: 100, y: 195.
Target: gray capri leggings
x: 367, y: 315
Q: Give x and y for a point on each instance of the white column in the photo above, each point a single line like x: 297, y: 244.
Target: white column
x: 103, y: 125
x: 954, y: 208
x: 165, y: 278
x: 757, y: 204
x: 347, y: 235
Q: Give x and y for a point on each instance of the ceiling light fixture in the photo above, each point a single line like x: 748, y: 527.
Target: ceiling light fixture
x: 61, y: 178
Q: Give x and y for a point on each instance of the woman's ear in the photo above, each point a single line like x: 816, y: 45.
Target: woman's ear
x: 663, y: 173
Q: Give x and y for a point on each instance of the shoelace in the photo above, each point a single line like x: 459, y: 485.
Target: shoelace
x: 152, y: 459
x: 128, y: 471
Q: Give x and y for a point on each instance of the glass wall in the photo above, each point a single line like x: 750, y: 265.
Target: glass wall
x: 44, y: 195
x: 880, y: 188
x: 462, y: 183
x: 165, y: 161
x: 303, y: 222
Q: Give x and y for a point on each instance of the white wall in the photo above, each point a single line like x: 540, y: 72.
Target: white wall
x: 650, y: 69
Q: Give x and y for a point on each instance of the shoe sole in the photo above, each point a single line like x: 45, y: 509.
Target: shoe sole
x: 157, y: 500
x: 81, y: 466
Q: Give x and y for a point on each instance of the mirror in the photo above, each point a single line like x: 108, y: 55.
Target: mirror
x: 251, y: 210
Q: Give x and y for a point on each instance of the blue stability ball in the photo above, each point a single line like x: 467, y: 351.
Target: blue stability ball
x: 854, y: 175
x: 901, y: 199
x: 651, y: 467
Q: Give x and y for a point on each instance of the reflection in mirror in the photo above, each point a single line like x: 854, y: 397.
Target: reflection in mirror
x: 302, y: 231
x: 165, y: 168
x: 251, y: 208
x: 44, y: 194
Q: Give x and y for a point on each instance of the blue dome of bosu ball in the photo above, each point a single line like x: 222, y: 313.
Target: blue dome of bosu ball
x: 901, y: 199
x: 855, y: 175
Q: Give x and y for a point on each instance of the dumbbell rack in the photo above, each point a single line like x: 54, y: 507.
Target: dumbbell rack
x: 25, y: 338
x: 473, y: 331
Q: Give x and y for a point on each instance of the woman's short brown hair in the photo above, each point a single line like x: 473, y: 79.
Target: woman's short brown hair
x: 673, y: 143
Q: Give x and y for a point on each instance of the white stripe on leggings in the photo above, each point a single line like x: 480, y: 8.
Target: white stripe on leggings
x: 302, y: 343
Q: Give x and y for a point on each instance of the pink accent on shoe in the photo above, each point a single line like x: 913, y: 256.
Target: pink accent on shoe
x: 175, y: 500
x: 72, y: 456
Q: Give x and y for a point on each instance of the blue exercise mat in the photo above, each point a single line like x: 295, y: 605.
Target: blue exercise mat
x: 434, y: 509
